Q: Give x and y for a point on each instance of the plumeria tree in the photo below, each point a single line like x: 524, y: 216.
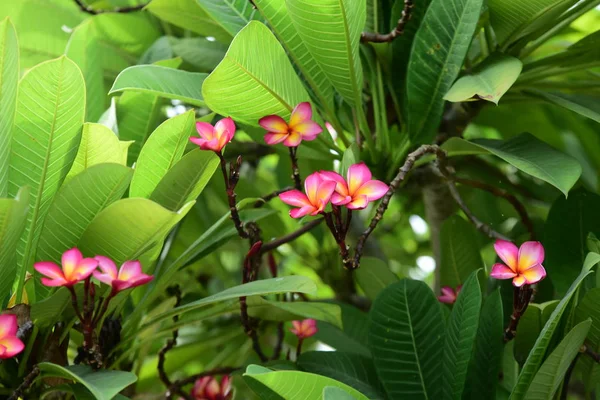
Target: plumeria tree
x: 299, y: 199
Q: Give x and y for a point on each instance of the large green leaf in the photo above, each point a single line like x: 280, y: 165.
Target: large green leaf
x: 9, y: 78
x: 246, y: 87
x: 12, y: 222
x: 129, y: 228
x: 331, y: 31
x: 163, y: 82
x: 76, y: 205
x: 552, y: 372
x: 487, y: 354
x: 277, y: 15
x: 588, y: 308
x: 50, y: 112
x: 352, y: 369
x: 98, y: 145
x: 489, y: 80
x: 231, y: 15
x: 579, y: 103
x: 199, y: 52
x: 459, y: 253
x: 460, y: 338
x: 536, y: 356
x: 406, y: 330
x: 189, y: 15
x: 103, y: 384
x: 530, y: 326
x: 373, y: 276
x: 297, y: 385
x: 186, y: 180
x: 354, y: 336
x: 528, y: 154
x: 437, y: 55
x: 162, y: 150
x: 568, y: 224
x: 335, y: 393
x: 289, y: 311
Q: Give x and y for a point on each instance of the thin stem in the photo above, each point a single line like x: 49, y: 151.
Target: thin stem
x: 75, y: 303
x: 121, y: 10
x: 339, y: 239
x: 521, y: 298
x: 587, y: 350
x: 291, y: 236
x: 398, y: 30
x: 279, y: 345
x: 231, y: 180
x: 299, y: 348
x: 295, y: 169
x: 27, y: 382
x: 348, y: 220
x: 168, y: 346
x: 266, y: 198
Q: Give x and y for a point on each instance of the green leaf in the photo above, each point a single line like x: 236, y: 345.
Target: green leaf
x: 567, y: 226
x: 297, y: 385
x: 459, y: 253
x: 335, y: 393
x: 286, y: 311
x: 76, y: 205
x: 188, y: 14
x: 128, y: 228
x: 552, y: 372
x: 541, y: 345
x: 406, y: 328
x: 489, y: 80
x: 437, y: 55
x: 103, y: 384
x: 84, y: 49
x: 588, y: 308
x: 331, y: 31
x: 460, y: 337
x: 186, y: 179
x: 98, y: 145
x: 50, y: 111
x: 354, y: 336
x: 163, y: 82
x: 530, y: 326
x: 9, y: 78
x: 579, y: 103
x: 352, y: 369
x: 199, y: 52
x: 160, y: 153
x: 351, y: 156
x: 245, y: 87
x: 529, y: 154
x: 138, y: 113
x: 13, y: 213
x: 231, y: 15
x: 487, y: 355
x: 276, y: 14
x: 373, y: 276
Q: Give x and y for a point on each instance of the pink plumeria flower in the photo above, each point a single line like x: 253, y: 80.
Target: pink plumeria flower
x: 305, y: 328
x: 358, y: 190
x: 318, y: 192
x: 75, y: 269
x: 301, y: 127
x: 129, y: 276
x: 209, y: 388
x: 449, y: 295
x: 214, y: 137
x: 523, y: 265
x: 10, y: 344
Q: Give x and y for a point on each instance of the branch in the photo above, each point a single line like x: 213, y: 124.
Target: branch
x: 295, y: 169
x: 231, y: 179
x: 121, y: 10
x: 270, y: 196
x: 398, y: 30
x: 521, y: 298
x: 588, y: 351
x: 291, y: 236
x: 27, y: 382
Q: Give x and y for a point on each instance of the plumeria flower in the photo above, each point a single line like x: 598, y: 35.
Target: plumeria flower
x: 523, y: 265
x: 301, y: 127
x: 214, y: 137
x: 358, y: 190
x: 209, y: 388
x: 449, y: 295
x: 305, y: 328
x: 75, y: 268
x: 129, y: 276
x: 10, y: 344
x: 318, y: 192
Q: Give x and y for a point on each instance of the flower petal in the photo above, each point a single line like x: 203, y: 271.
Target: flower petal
x: 107, y: 266
x: 341, y: 187
x: 104, y: 278
x: 8, y: 325
x: 508, y: 253
x: 530, y: 254
x: 302, y: 112
x: 49, y: 269
x: 56, y: 282
x: 13, y: 346
x: 205, y: 130
x: 225, y: 128
x: 274, y: 138
x: 293, y: 139
x: 311, y: 187
x: 326, y: 189
x: 358, y: 175
x: 534, y: 274
x: 70, y: 259
x: 340, y: 200
x: 519, y: 281
x: 84, y: 269
x: 302, y: 211
x: 501, y: 271
x: 374, y: 190
x: 308, y: 129
x: 130, y: 269
x: 274, y: 124
x: 294, y: 198
x: 358, y: 203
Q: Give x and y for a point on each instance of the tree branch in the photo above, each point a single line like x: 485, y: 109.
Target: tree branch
x: 121, y: 10
x: 588, y: 351
x: 398, y: 30
x: 295, y: 169
x: 291, y: 236
x: 27, y: 382
x: 271, y: 196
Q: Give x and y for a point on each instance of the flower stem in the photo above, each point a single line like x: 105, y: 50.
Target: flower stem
x: 295, y: 169
x: 231, y: 180
x: 299, y: 348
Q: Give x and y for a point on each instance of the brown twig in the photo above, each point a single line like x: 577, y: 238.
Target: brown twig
x: 272, y: 245
x: 521, y: 298
x: 295, y: 169
x: 231, y: 179
x: 587, y: 350
x: 263, y: 200
x: 27, y: 382
x: 340, y: 238
x: 398, y: 30
x: 517, y: 205
x: 121, y: 10
x: 299, y: 348
x: 162, y: 374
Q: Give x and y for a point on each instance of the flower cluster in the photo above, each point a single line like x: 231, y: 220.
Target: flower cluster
x: 209, y: 388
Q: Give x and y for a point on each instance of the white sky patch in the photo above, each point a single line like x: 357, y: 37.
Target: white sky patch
x: 418, y: 224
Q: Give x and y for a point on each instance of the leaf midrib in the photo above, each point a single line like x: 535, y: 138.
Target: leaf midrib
x: 350, y: 55
x: 413, y: 341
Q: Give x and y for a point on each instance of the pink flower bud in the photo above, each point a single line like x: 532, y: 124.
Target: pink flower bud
x: 209, y: 388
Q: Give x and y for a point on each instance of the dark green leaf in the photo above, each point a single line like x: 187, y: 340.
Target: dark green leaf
x: 588, y: 308
x: 459, y: 252
x: 373, y: 276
